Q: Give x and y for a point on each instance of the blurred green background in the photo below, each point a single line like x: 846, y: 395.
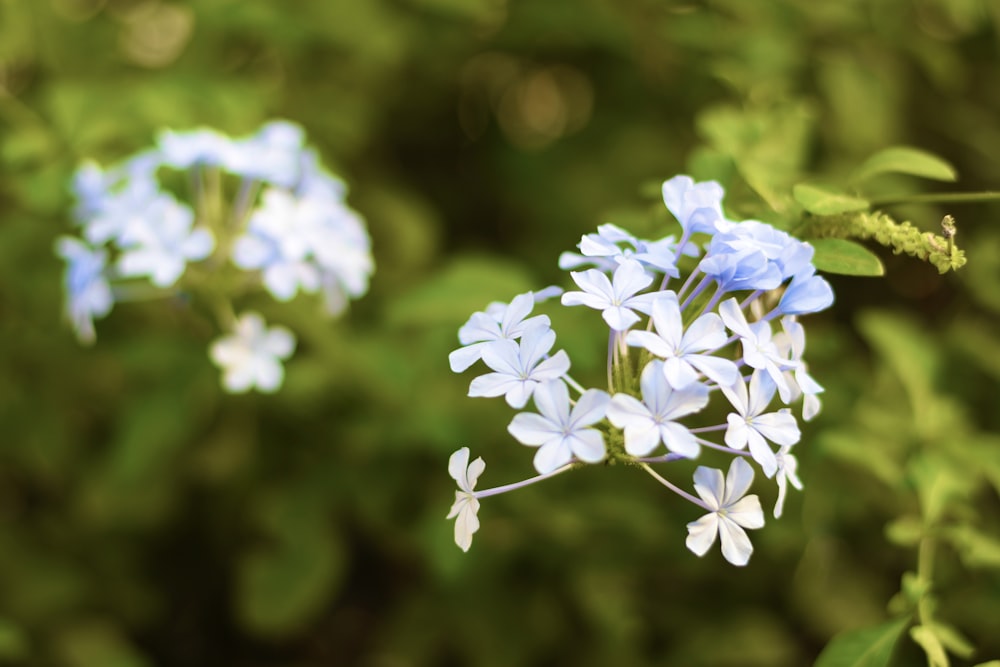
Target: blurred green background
x: 146, y: 518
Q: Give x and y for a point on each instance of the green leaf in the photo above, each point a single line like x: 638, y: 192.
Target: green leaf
x: 845, y: 257
x: 822, y: 201
x: 868, y: 647
x: 904, y: 160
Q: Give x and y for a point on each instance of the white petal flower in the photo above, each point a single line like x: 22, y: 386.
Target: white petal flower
x: 500, y: 321
x: 466, y: 505
x: 787, y: 473
x: 252, y: 356
x: 759, y: 350
x: 684, y: 351
x: 653, y: 421
x: 730, y: 511
x: 752, y: 426
x: 161, y: 243
x: 519, y: 367
x: 618, y: 298
x: 560, y: 431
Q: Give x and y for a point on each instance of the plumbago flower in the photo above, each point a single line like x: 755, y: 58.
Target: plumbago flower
x: 692, y: 371
x: 261, y: 214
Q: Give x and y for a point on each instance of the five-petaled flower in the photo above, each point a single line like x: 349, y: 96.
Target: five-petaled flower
x: 730, y: 511
x: 562, y: 431
x: 251, y: 357
x: 618, y: 298
x: 518, y: 368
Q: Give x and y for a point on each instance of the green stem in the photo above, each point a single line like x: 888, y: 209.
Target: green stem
x: 936, y: 198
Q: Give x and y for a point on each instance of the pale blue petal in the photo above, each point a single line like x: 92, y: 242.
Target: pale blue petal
x: 588, y: 445
x: 666, y: 315
x: 619, y: 318
x: 736, y: 546
x: 722, y: 371
x: 738, y: 481
x: 710, y: 485
x: 701, y: 534
x: 462, y: 358
x: 532, y: 429
x: 641, y: 437
x: 761, y: 453
x: 778, y: 427
x: 625, y: 411
x: 492, y: 384
x: 552, y: 455
x: 590, y: 408
x: 554, y: 367
x: 708, y: 332
x: 680, y: 440
x: 747, y: 512
x: 552, y: 400
x: 650, y: 341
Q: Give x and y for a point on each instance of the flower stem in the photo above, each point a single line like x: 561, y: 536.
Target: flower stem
x: 669, y: 485
x: 497, y: 490
x: 936, y: 198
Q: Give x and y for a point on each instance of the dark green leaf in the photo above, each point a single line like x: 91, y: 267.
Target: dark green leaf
x: 869, y: 647
x: 845, y: 257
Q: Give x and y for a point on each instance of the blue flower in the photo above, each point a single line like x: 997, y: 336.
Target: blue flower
x: 759, y: 350
x: 697, y: 206
x: 807, y: 293
x: 88, y: 294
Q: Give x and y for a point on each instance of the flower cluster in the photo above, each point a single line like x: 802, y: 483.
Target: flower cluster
x: 261, y: 212
x: 728, y: 336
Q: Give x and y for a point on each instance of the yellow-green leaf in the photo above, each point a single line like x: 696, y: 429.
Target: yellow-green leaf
x: 845, y: 257
x: 905, y: 160
x: 823, y: 201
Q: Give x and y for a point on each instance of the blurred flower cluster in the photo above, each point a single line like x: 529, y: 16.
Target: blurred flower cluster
x: 728, y: 337
x: 257, y: 212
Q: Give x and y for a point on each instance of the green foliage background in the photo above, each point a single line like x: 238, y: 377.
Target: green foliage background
x: 146, y: 518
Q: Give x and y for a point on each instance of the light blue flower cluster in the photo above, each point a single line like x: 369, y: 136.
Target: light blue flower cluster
x: 672, y: 353
x: 261, y: 208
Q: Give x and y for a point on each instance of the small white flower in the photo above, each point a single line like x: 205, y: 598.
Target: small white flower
x: 499, y: 321
x: 561, y: 431
x: 759, y: 351
x: 466, y: 505
x: 252, y: 356
x: 653, y: 421
x: 787, y: 473
x: 752, y: 427
x: 518, y: 368
x: 618, y: 298
x: 730, y: 512
x: 161, y: 243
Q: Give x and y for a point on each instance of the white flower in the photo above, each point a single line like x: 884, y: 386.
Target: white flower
x: 791, y: 342
x: 520, y: 367
x: 160, y: 244
x: 498, y: 322
x: 252, y: 356
x: 466, y: 505
x: 730, y: 512
x: 683, y: 350
x: 759, y: 351
x: 615, y: 298
x: 752, y: 425
x: 787, y: 469
x: 561, y: 430
x: 652, y: 421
